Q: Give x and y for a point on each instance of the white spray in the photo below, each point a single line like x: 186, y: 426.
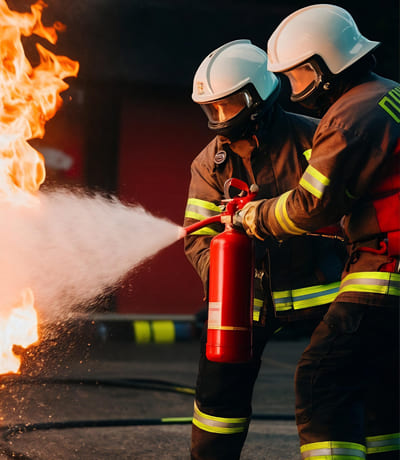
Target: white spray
x: 74, y: 247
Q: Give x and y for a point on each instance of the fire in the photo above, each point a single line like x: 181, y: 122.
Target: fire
x: 29, y: 97
x: 17, y: 327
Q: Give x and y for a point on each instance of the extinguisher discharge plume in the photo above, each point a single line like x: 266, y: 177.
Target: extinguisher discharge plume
x: 75, y: 248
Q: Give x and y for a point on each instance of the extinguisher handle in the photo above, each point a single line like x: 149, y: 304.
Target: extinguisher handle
x: 232, y: 205
x: 238, y: 202
x: 237, y: 183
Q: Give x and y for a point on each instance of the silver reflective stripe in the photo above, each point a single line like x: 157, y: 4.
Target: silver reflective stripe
x: 383, y: 443
x: 310, y: 296
x: 219, y: 425
x: 214, y: 423
x: 375, y: 282
x: 201, y: 209
x: 314, y: 181
x: 368, y: 281
x: 331, y: 452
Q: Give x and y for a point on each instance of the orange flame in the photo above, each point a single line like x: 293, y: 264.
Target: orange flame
x: 29, y: 97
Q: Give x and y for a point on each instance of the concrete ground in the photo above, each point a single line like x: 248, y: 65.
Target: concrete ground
x: 57, y: 388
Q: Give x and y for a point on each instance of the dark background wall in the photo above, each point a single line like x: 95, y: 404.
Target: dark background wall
x: 128, y: 122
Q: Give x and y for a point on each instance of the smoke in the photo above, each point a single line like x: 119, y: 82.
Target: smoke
x: 74, y: 247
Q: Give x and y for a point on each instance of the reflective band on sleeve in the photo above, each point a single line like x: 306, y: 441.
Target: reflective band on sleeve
x: 201, y: 209
x: 219, y: 425
x: 333, y: 450
x: 283, y: 218
x: 307, y: 154
x: 383, y: 443
x: 372, y: 282
x: 311, y: 296
x: 205, y: 231
x: 314, y: 182
x: 257, y: 306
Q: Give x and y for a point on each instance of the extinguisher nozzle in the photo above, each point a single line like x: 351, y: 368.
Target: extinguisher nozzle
x: 182, y: 232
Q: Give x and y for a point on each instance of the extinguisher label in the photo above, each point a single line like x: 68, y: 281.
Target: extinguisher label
x: 214, y: 314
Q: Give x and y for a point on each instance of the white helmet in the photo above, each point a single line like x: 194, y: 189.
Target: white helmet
x: 232, y: 85
x: 324, y: 30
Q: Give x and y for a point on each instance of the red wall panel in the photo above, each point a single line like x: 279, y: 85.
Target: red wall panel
x: 159, y: 138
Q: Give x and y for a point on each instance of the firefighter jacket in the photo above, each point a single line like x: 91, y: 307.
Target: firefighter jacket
x: 353, y: 172
x: 299, y: 274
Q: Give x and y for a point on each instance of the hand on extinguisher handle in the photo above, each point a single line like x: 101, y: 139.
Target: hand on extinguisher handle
x: 247, y: 217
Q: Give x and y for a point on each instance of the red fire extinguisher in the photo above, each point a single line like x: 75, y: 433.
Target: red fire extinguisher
x: 230, y: 308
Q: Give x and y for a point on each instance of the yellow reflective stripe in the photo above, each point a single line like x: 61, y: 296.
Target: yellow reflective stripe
x: 391, y: 104
x: 334, y: 457
x: 372, y: 282
x: 194, y: 215
x: 307, y: 154
x: 310, y: 296
x: 282, y: 216
x: 256, y: 315
x: 257, y: 306
x: 219, y: 425
x: 204, y: 204
x: 282, y: 300
x: 383, y: 443
x: 205, y: 231
x: 200, y: 209
x: 315, y: 295
x: 333, y: 450
x: 313, y: 181
x: 258, y: 302
x: 157, y: 331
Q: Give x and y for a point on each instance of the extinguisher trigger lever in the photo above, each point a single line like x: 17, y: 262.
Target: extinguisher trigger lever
x: 246, y: 195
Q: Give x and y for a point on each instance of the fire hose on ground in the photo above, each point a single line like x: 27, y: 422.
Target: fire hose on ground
x: 8, y: 431
x: 229, y: 336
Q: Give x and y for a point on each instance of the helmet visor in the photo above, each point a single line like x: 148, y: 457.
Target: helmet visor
x: 303, y: 80
x: 225, y: 109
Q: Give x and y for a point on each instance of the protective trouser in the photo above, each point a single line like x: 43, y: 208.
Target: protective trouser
x: 347, y: 385
x: 223, y: 402
x: 224, y: 392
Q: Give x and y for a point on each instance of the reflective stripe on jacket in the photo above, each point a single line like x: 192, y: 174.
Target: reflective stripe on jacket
x: 353, y: 144
x: 277, y: 166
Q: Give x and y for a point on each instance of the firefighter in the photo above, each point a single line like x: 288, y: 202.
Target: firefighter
x: 258, y: 142
x: 347, y: 380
